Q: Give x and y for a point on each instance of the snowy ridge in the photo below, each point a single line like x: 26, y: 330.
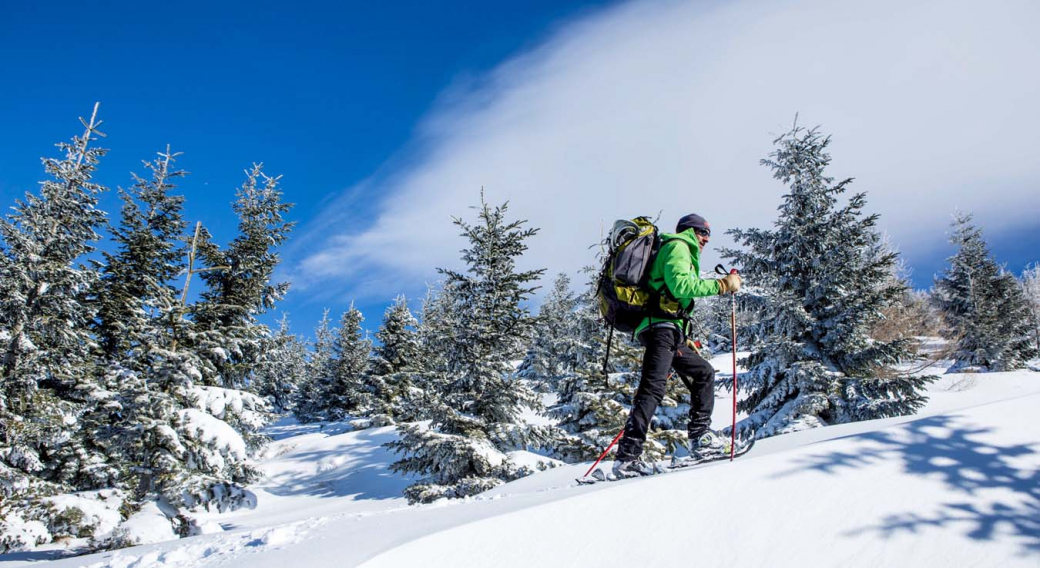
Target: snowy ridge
x: 957, y: 485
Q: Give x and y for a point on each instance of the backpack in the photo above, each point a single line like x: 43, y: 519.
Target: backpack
x: 624, y: 295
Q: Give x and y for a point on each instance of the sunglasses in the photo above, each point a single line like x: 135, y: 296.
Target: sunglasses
x: 702, y: 232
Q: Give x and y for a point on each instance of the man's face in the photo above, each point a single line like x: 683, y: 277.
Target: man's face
x: 703, y: 236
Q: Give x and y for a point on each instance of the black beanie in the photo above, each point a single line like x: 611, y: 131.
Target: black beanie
x: 692, y: 221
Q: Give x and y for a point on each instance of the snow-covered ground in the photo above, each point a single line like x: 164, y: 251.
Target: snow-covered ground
x: 956, y: 485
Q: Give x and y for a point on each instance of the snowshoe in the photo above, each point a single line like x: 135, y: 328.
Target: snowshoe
x: 709, y: 453
x: 632, y: 468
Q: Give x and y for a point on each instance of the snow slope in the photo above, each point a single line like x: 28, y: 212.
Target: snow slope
x: 957, y: 485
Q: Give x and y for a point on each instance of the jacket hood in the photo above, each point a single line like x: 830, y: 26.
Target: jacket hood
x: 687, y: 236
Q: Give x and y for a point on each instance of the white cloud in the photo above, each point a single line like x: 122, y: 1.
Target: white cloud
x: 668, y: 106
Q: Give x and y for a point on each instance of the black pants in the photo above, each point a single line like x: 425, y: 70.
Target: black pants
x: 664, y: 351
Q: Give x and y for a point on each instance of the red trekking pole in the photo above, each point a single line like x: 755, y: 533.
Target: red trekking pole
x: 719, y: 269
x: 604, y: 454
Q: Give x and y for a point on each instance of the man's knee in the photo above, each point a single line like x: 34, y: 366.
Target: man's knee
x: 653, y: 386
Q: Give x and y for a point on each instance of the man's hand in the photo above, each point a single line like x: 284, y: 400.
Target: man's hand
x: 730, y: 284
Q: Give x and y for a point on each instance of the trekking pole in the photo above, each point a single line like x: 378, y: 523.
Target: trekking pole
x: 719, y: 269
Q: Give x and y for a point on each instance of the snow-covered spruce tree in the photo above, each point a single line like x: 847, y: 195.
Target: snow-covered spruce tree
x: 309, y: 405
x: 592, y: 405
x: 236, y: 294
x: 476, y: 417
x: 436, y: 329
x: 335, y: 388
x: 984, y: 305
x: 350, y: 356
x: 717, y: 328
x: 1031, y: 288
x: 390, y: 394
x: 136, y: 284
x: 168, y: 436
x: 826, y: 272
x: 553, y: 345
x: 437, y: 325
x: 176, y: 440
x: 282, y: 368
x: 47, y: 377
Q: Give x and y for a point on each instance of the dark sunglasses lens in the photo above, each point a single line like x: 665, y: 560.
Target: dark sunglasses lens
x: 703, y: 232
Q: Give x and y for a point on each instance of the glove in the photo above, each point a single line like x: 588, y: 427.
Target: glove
x: 694, y: 346
x: 730, y: 284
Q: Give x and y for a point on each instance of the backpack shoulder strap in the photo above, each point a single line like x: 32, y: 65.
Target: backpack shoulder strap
x: 657, y: 284
x: 664, y: 240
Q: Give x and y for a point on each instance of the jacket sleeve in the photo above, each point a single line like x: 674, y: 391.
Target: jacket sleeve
x: 681, y: 277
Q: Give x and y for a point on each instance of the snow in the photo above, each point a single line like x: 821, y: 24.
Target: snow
x: 219, y: 401
x: 956, y: 485
x: 213, y: 432
x: 148, y: 525
x: 99, y: 508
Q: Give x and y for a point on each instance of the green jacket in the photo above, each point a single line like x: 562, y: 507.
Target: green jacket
x: 678, y: 266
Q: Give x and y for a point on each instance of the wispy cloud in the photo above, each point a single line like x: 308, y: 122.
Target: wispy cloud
x: 667, y: 107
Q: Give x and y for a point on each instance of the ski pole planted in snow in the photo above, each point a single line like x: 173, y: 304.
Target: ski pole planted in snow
x: 719, y: 269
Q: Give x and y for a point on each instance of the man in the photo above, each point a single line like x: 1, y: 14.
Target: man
x: 675, y: 279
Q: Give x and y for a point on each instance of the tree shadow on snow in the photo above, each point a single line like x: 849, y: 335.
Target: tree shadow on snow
x: 288, y: 427
x: 940, y: 448
x: 39, y: 555
x: 360, y: 470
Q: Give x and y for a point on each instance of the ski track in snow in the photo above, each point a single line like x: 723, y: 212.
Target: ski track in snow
x: 956, y: 485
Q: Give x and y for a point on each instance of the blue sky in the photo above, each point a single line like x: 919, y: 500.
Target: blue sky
x: 322, y: 92
x: 386, y: 118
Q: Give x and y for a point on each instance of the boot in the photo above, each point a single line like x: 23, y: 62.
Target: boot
x: 709, y: 444
x: 632, y: 468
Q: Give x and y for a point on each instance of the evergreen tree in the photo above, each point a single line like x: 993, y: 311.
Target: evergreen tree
x: 47, y: 377
x: 351, y: 350
x: 592, y: 404
x: 338, y: 371
x: 476, y: 416
x: 310, y: 405
x: 236, y: 294
x: 390, y: 382
x: 282, y: 367
x: 177, y: 440
x: 825, y: 270
x: 398, y: 348
x: 436, y: 329
x: 984, y: 305
x: 135, y: 286
x: 553, y: 345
